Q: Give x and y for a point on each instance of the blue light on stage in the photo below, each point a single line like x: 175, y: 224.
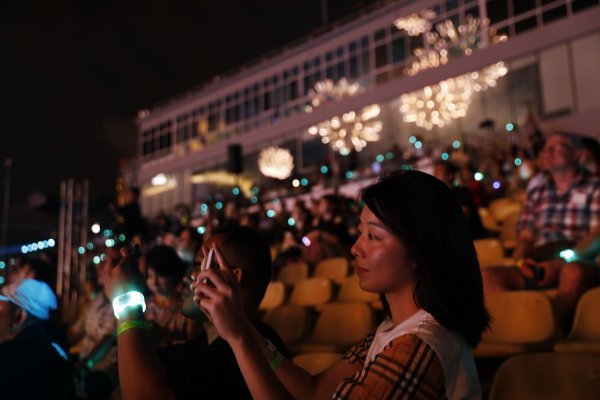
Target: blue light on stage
x: 201, y: 230
x: 445, y: 156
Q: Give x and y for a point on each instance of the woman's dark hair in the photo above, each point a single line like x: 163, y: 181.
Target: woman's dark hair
x: 424, y: 214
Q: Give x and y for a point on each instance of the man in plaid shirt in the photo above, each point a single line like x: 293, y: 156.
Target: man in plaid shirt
x: 562, y: 212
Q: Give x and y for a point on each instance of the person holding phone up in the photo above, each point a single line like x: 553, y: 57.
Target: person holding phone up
x: 415, y: 249
x: 196, y: 369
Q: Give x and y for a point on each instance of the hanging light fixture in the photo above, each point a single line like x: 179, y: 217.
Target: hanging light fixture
x: 350, y: 131
x: 326, y: 91
x: 415, y: 24
x: 275, y: 162
x: 438, y: 104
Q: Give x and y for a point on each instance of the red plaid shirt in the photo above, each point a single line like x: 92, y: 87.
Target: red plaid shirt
x: 407, y: 368
x: 554, y: 217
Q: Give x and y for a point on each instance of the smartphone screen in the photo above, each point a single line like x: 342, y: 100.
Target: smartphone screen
x: 208, y: 262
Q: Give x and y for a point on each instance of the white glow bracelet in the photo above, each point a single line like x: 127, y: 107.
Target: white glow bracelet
x: 127, y: 300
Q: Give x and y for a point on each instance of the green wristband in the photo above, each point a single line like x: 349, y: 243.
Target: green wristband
x: 276, y: 361
x: 127, y: 325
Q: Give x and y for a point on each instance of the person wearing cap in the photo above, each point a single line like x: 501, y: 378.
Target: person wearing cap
x: 31, y: 365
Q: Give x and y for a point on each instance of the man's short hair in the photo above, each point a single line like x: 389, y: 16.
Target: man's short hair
x: 251, y: 254
x: 165, y: 262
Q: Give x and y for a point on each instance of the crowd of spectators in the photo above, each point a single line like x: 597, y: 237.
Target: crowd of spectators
x: 314, y: 229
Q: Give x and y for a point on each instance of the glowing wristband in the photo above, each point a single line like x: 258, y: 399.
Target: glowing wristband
x: 568, y: 255
x: 128, y: 300
x: 127, y: 325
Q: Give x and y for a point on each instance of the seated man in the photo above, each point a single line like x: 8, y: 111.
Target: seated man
x: 194, y: 369
x: 165, y: 281
x: 31, y: 366
x: 563, y: 211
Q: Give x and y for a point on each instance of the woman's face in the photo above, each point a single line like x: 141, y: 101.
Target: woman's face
x: 382, y: 262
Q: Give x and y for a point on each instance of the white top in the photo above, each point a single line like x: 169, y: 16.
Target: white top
x: 454, y: 352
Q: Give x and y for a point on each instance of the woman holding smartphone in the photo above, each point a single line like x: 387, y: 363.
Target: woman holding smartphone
x: 415, y: 249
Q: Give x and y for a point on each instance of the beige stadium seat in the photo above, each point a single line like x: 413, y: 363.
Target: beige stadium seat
x: 585, y: 334
x: 316, y: 363
x: 490, y: 253
x: 335, y: 268
x: 350, y: 291
x: 292, y: 273
x: 338, y: 327
x: 312, y: 292
x: 508, y: 231
x: 548, y: 376
x: 291, y: 322
x: 488, y: 220
x: 274, y: 296
x: 502, y: 208
x: 522, y: 321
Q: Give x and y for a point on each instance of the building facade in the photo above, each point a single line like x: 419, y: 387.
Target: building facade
x: 431, y: 69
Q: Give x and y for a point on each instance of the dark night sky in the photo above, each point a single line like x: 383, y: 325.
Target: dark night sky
x: 73, y: 75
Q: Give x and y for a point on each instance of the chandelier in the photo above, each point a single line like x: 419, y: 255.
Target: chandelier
x: 326, y: 91
x: 351, y: 130
x: 415, y: 24
x: 437, y: 104
x: 464, y: 38
x: 275, y: 162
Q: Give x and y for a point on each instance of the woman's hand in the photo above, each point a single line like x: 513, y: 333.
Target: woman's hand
x: 220, y: 298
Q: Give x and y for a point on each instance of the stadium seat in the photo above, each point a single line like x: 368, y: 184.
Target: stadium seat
x: 490, y: 253
x: 338, y: 327
x: 350, y: 291
x: 316, y: 363
x: 522, y: 321
x: 335, y: 268
x: 274, y: 296
x: 291, y: 322
x: 292, y: 273
x: 508, y: 231
x: 312, y: 292
x: 585, y: 334
x: 488, y: 220
x: 550, y: 376
x: 502, y: 208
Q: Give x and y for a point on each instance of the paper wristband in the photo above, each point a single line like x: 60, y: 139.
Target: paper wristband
x: 127, y: 325
x: 276, y: 361
x: 128, y: 300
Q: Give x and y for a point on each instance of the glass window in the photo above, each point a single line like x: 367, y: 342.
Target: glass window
x: 380, y: 34
x: 329, y: 56
x: 364, y: 42
x: 381, y: 56
x: 497, y: 10
x: 366, y: 62
x: 522, y: 6
x: 398, y: 49
x: 352, y: 47
x: 579, y: 5
x: 353, y: 63
x: 555, y: 13
x: 526, y: 24
x: 340, y: 51
x: 341, y: 70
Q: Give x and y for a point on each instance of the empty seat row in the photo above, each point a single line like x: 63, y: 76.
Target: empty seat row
x: 524, y: 321
x: 315, y: 292
x: 336, y: 269
x: 338, y: 326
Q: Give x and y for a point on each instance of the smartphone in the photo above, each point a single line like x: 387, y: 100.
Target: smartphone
x: 209, y: 262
